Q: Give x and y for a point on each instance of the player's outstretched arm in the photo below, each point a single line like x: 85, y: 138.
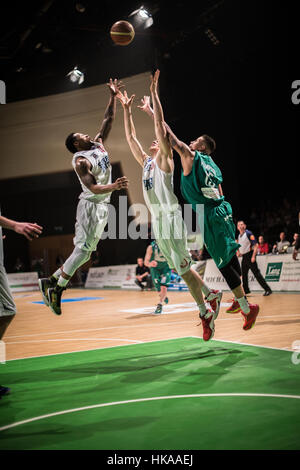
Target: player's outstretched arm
x: 159, y: 122
x: 110, y: 112
x: 181, y: 148
x: 27, y: 229
x: 134, y: 144
x: 83, y: 169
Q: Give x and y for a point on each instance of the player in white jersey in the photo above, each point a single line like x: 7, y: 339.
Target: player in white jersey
x: 91, y: 164
x: 7, y: 304
x: 168, y: 225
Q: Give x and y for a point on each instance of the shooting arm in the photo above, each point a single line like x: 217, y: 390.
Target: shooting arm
x: 109, y: 117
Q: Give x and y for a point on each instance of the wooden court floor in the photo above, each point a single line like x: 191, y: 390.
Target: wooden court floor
x: 93, y: 319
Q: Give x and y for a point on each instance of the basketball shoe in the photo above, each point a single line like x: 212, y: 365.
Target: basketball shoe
x: 234, y: 308
x: 214, y: 299
x: 250, y: 318
x: 54, y: 298
x: 208, y: 324
x: 158, y: 308
x: 44, y: 284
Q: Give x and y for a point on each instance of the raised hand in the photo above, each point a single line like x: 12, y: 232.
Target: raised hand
x: 145, y: 105
x: 154, y: 81
x: 114, y: 86
x: 125, y: 101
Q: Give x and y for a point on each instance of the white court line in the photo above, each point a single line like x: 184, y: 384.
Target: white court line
x: 145, y: 342
x: 232, y: 317
x: 73, y: 339
x: 99, y: 349
x: 139, y: 400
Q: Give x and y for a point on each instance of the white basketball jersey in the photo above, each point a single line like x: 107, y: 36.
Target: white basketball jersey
x: 158, y: 189
x: 101, y: 170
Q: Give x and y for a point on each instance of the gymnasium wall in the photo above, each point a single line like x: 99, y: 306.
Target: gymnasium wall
x: 33, y: 132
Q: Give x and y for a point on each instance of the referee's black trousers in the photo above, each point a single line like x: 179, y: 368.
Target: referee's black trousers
x: 246, y: 265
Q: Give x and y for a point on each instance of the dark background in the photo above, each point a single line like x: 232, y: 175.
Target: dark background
x: 238, y: 90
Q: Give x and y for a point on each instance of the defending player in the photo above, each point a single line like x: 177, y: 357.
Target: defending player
x: 167, y: 222
x: 160, y: 273
x: 92, y: 166
x: 201, y: 186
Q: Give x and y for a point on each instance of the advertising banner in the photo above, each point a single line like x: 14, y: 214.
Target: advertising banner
x: 22, y: 282
x: 281, y: 272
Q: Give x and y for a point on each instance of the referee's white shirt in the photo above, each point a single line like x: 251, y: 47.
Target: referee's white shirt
x: 247, y: 240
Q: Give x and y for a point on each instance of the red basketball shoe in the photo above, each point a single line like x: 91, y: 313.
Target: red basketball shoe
x: 208, y: 324
x: 214, y: 299
x: 234, y: 308
x: 250, y: 318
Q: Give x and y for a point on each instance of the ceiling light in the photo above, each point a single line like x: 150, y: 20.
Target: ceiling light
x: 76, y: 76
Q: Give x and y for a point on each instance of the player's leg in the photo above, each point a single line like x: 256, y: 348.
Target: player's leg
x: 231, y: 273
x: 91, y: 220
x: 246, y: 262
x: 75, y: 260
x: 7, y: 312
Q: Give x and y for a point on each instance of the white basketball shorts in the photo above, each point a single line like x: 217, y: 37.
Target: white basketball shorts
x: 91, y: 220
x: 171, y: 236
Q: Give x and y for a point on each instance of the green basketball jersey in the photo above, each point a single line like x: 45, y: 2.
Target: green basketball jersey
x: 201, y: 186
x: 157, y: 255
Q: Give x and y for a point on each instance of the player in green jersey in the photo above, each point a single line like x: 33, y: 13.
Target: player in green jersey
x: 160, y: 273
x: 201, y: 187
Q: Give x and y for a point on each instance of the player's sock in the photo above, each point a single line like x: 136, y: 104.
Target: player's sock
x: 202, y: 308
x: 56, y: 274
x: 244, y: 305
x: 205, y: 289
x: 62, y: 282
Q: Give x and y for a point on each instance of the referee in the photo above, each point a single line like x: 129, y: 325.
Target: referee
x: 248, y: 250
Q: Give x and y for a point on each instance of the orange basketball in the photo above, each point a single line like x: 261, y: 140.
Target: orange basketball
x: 122, y: 33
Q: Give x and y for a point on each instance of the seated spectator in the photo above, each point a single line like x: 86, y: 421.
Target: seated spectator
x: 281, y: 246
x: 295, y: 239
x: 143, y: 275
x: 262, y: 247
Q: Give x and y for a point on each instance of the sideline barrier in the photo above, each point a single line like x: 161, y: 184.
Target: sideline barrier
x: 281, y: 272
x: 122, y: 277
x: 22, y: 282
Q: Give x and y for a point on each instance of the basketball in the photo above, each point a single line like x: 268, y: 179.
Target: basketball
x: 122, y: 33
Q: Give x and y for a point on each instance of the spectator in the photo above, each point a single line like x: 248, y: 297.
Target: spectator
x: 295, y: 239
x: 262, y: 247
x: 282, y: 245
x: 142, y: 274
x: 19, y: 266
x: 296, y: 248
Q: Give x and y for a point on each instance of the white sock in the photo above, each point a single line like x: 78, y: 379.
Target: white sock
x: 206, y: 290
x: 57, y: 273
x: 202, y: 308
x: 244, y: 305
x: 62, y: 282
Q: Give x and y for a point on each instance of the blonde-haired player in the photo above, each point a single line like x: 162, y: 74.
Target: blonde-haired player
x: 168, y: 225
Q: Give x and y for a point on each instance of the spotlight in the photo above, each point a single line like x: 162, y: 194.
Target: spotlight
x: 142, y: 17
x: 76, y: 76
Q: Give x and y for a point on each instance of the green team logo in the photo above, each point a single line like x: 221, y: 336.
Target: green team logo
x: 273, y: 272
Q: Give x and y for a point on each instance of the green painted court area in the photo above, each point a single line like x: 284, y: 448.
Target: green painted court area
x: 175, y: 394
